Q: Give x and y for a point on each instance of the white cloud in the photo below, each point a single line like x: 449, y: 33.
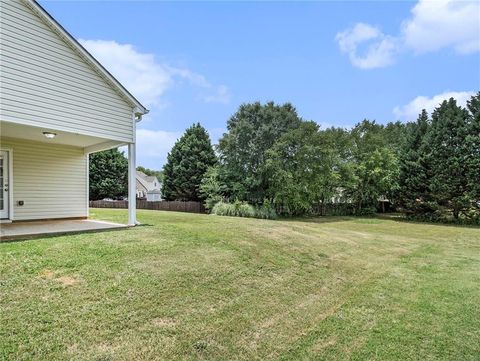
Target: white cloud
x: 215, y: 93
x: 433, y: 25
x: 153, y: 146
x: 443, y: 23
x: 148, y: 80
x: 193, y: 78
x: 221, y: 95
x: 138, y: 72
x: 144, y: 76
x: 380, y: 50
x: 410, y: 111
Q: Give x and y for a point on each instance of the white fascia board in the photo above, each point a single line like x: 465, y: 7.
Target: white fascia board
x: 102, y: 146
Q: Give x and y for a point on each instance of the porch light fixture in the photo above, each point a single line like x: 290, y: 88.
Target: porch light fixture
x: 49, y: 135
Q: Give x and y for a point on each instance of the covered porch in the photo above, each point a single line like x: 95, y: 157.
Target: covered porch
x: 44, y: 176
x: 34, y: 229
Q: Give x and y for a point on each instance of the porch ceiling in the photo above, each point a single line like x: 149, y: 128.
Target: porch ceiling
x: 20, y: 131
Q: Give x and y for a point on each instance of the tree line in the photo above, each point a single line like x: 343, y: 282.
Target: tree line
x: 271, y: 158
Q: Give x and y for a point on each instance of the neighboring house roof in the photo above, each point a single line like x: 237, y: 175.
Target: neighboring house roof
x: 155, y: 191
x: 140, y: 186
x: 149, y: 183
x: 151, y: 178
x: 85, y: 55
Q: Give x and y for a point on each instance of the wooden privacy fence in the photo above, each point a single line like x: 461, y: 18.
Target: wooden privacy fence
x: 175, y: 206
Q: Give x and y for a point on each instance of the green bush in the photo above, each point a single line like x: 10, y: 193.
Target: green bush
x: 366, y: 211
x: 243, y: 209
x: 470, y: 216
x: 266, y: 211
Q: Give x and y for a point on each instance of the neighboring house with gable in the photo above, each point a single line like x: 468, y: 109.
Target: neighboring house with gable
x: 58, y: 104
x: 148, y: 187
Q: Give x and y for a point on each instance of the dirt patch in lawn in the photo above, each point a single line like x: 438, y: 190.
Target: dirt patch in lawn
x: 67, y: 280
x: 164, y: 322
x: 47, y: 274
x: 64, y: 280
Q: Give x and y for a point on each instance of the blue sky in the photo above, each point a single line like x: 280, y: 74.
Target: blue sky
x: 337, y: 62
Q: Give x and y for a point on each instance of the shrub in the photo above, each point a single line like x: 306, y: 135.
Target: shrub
x: 236, y: 209
x: 443, y: 215
x: 243, y: 209
x: 222, y: 209
x: 211, y: 201
x: 212, y: 189
x: 366, y: 211
x: 266, y: 211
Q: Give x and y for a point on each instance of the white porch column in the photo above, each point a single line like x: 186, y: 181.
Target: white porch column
x: 132, y: 194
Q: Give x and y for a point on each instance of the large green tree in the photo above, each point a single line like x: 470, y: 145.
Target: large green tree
x: 303, y: 168
x: 472, y: 146
x: 395, y: 134
x: 374, y: 166
x: 251, y: 132
x: 413, y: 193
x: 187, y: 164
x: 108, y: 175
x: 440, y: 163
x: 446, y: 156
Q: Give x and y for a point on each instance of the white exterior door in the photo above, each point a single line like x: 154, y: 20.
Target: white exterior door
x: 4, y: 183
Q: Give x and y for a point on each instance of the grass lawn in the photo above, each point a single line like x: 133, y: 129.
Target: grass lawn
x: 186, y: 287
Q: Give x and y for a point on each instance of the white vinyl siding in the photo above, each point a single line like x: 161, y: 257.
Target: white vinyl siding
x: 45, y: 83
x: 50, y: 179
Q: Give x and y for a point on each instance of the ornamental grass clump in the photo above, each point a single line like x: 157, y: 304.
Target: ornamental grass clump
x: 243, y: 209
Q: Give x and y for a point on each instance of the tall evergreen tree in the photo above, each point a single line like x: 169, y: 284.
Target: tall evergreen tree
x: 446, y: 153
x: 472, y: 145
x: 186, y: 165
x: 413, y: 179
x: 395, y: 134
x: 108, y: 175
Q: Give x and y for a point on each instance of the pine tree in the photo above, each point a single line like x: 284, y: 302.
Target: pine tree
x: 446, y: 153
x: 186, y: 165
x: 413, y: 184
x: 472, y: 145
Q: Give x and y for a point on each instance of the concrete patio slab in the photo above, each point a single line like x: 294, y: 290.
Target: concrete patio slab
x: 20, y: 230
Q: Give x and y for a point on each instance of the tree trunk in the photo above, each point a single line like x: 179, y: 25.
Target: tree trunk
x: 455, y: 213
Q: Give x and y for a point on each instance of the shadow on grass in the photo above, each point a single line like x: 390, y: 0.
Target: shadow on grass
x: 42, y: 236
x: 319, y: 219
x: 396, y: 217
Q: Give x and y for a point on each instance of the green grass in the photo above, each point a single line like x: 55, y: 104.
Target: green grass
x: 198, y: 287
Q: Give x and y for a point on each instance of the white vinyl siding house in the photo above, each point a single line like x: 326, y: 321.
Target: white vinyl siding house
x: 43, y: 80
x: 50, y: 83
x: 148, y: 187
x: 45, y: 196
